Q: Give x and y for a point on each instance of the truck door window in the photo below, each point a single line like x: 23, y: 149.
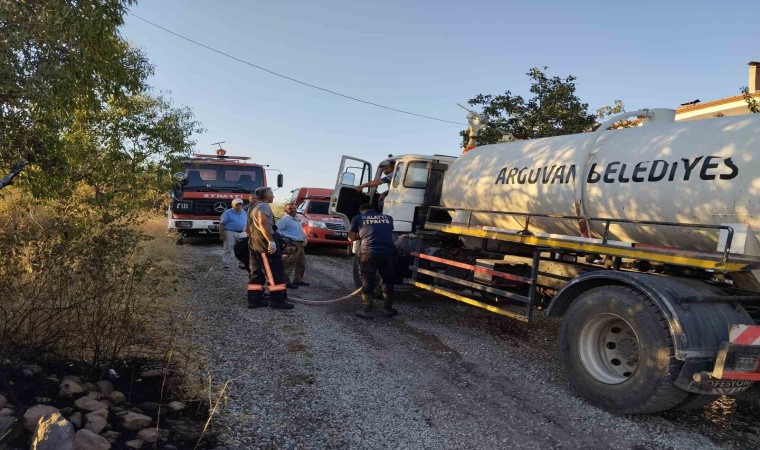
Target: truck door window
x: 301, y: 207
x: 398, y: 174
x: 416, y: 175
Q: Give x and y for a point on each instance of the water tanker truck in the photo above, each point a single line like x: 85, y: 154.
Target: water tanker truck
x: 643, y: 242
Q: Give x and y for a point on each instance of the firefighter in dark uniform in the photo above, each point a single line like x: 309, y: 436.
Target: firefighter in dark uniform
x: 266, y: 256
x: 375, y: 231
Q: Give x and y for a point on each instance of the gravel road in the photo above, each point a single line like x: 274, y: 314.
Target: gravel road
x: 441, y: 375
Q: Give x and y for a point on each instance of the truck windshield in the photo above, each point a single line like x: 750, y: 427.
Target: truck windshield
x: 318, y: 207
x: 223, y: 177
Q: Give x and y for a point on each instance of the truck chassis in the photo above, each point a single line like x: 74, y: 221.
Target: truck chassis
x: 644, y: 329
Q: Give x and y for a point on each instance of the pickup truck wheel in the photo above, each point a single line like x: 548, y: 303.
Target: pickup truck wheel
x: 618, y: 352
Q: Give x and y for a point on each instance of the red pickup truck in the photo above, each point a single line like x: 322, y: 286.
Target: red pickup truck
x: 319, y: 226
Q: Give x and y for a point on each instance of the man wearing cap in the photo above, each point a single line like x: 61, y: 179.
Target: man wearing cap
x: 386, y: 167
x: 387, y: 174
x: 231, y: 229
x: 266, y: 267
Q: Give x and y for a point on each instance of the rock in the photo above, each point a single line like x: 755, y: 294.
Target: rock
x: 176, y: 406
x: 135, y: 421
x: 94, y: 395
x: 99, y: 412
x: 67, y: 411
x: 3, y: 401
x: 90, y: 404
x: 43, y: 399
x: 76, y: 419
x: 149, y: 406
x: 90, y: 387
x: 87, y: 440
x: 136, y: 409
x: 136, y: 443
x: 95, y: 424
x: 111, y: 435
x: 117, y: 397
x: 152, y: 373
x: 53, y: 433
x: 152, y: 435
x: 73, y: 378
x: 32, y: 369
x: 5, y: 412
x: 9, y: 428
x: 33, y: 414
x: 169, y: 447
x: 70, y: 387
x: 105, y: 387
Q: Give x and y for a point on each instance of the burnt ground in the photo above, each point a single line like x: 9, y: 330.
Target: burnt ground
x: 440, y: 375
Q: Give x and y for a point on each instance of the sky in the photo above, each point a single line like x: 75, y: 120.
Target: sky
x: 421, y: 56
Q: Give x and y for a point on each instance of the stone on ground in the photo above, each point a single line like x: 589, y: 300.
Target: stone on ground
x: 87, y: 440
x: 135, y: 421
x: 53, y: 432
x: 33, y: 415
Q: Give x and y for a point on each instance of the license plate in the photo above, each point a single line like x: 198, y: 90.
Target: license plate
x: 340, y: 233
x: 746, y: 363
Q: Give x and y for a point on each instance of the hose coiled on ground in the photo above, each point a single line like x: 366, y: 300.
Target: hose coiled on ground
x: 324, y: 302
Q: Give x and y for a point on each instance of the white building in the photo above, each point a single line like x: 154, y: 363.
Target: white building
x: 729, y: 106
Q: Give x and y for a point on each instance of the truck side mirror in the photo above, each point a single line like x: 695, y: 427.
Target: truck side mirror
x: 280, y: 180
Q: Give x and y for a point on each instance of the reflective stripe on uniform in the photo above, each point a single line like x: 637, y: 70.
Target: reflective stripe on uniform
x: 255, y: 287
x: 277, y: 287
x: 270, y: 278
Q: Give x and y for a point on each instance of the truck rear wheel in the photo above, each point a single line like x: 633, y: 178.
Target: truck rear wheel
x: 618, y: 352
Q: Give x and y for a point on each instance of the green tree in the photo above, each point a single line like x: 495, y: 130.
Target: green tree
x: 74, y: 98
x: 553, y: 110
x: 752, y: 103
x: 77, y: 277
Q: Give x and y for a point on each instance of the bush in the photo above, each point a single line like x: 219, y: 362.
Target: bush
x: 80, y: 287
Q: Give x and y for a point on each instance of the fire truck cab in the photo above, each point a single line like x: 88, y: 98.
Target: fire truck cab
x: 205, y: 188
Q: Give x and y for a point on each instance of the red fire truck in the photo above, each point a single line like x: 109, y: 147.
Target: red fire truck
x: 206, y: 187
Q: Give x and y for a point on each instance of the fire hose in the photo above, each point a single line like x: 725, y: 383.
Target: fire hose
x: 325, y: 302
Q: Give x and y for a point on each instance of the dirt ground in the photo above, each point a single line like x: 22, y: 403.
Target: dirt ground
x: 440, y: 375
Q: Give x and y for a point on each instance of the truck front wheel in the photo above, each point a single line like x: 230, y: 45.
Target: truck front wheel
x: 618, y: 352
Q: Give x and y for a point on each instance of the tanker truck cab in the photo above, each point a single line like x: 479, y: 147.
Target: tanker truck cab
x: 415, y: 185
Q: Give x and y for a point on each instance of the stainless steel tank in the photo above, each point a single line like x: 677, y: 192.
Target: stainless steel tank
x: 705, y: 171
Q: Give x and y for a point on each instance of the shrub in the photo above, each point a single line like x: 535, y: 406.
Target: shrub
x: 80, y: 287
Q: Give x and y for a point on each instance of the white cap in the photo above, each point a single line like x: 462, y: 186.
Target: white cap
x: 236, y: 201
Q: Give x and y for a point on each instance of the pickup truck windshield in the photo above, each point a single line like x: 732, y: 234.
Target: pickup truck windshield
x: 318, y: 208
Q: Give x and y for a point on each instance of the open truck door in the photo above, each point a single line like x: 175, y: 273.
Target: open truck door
x: 345, y: 199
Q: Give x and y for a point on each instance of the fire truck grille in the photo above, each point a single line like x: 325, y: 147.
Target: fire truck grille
x: 206, y: 207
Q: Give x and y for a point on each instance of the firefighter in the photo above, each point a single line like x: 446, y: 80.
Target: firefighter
x: 386, y: 167
x: 375, y: 231
x: 266, y: 256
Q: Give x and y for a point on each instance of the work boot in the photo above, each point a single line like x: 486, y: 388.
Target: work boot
x: 366, y: 311
x: 281, y: 305
x: 258, y: 304
x: 364, y: 314
x: 388, y: 310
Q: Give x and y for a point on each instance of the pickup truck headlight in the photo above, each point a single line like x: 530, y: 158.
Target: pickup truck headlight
x: 316, y: 224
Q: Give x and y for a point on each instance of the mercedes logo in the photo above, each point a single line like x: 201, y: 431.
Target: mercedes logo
x: 220, y: 206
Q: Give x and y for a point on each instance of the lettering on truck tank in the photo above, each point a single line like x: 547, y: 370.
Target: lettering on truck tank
x: 706, y: 168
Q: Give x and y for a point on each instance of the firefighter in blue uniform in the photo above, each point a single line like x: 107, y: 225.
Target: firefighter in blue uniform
x: 375, y: 232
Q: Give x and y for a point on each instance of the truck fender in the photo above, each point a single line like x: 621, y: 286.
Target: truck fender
x: 699, y: 315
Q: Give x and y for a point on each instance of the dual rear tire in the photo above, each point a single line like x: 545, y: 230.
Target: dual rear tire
x: 619, y: 354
